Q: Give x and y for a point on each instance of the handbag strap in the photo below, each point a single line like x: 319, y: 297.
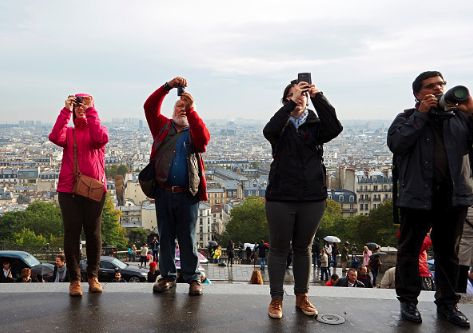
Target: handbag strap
x: 76, y: 163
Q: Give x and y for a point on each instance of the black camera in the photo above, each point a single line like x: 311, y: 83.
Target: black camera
x: 180, y: 90
x: 455, y: 95
x: 79, y: 100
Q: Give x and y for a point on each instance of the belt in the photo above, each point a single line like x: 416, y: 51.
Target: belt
x: 175, y: 189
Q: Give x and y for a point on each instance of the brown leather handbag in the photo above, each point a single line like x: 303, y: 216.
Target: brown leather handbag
x: 86, y: 186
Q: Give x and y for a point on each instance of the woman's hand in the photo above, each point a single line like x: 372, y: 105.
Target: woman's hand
x: 299, y: 89
x: 178, y: 82
x: 69, y: 102
x: 87, y: 102
x: 313, y: 91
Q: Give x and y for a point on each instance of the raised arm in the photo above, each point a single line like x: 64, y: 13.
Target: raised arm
x: 58, y: 134
x: 330, y: 126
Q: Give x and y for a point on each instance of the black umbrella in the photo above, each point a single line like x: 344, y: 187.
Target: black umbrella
x: 213, y: 243
x: 372, y: 244
x: 379, y: 254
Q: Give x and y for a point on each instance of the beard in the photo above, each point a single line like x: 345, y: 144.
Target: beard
x: 180, y: 121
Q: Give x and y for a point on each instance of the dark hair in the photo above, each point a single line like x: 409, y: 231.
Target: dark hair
x: 25, y: 272
x: 61, y: 256
x: 334, y: 277
x: 286, y: 92
x: 417, y: 84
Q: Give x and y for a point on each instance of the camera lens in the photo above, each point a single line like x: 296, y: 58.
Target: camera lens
x: 460, y: 93
x: 457, y: 94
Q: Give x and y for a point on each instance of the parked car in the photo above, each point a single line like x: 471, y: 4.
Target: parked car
x: 108, y: 266
x: 22, y: 259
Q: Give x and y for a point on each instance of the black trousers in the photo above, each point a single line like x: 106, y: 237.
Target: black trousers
x: 78, y: 212
x: 447, y: 227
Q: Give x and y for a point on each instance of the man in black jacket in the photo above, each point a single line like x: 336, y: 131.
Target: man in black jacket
x: 435, y: 190
x: 350, y: 280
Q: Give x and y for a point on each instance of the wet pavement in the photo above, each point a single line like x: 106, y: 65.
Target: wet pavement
x: 237, y: 307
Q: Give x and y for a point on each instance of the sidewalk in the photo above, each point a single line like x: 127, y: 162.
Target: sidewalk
x: 132, y: 307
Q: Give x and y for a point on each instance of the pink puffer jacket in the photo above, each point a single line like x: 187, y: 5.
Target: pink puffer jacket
x: 91, y: 140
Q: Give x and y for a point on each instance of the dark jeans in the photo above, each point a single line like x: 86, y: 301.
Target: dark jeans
x: 447, y: 228
x: 324, y: 273
x: 315, y: 259
x: 335, y: 263
x: 177, y: 218
x: 296, y: 221
x: 78, y: 212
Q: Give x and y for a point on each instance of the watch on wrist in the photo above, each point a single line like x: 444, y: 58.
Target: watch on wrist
x: 167, y: 86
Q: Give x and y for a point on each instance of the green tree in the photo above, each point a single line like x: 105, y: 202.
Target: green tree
x: 255, y: 164
x: 332, y: 215
x: 378, y: 226
x: 28, y: 238
x: 111, y: 172
x: 122, y: 170
x: 112, y: 232
x: 137, y: 236
x: 247, y: 222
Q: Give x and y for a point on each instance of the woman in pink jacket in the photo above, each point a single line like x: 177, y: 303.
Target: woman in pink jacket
x: 77, y: 211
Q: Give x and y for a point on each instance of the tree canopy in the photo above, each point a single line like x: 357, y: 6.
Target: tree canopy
x: 247, y: 222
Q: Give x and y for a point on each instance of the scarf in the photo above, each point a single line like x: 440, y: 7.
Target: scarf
x: 81, y: 123
x: 61, y: 271
x: 299, y: 121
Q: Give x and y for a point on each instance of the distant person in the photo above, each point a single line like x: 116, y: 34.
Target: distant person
x: 6, y: 275
x: 180, y: 182
x: 344, y: 258
x: 364, y: 277
x: 296, y: 192
x: 389, y: 278
x: 79, y: 212
x: 335, y: 253
x: 25, y: 276
x: 155, y: 248
x: 230, y: 252
x: 316, y: 252
x: 256, y: 277
x: 366, y: 255
x: 60, y: 270
x: 217, y: 254
x: 350, y: 280
x: 262, y: 248
x: 428, y: 282
x: 130, y: 254
x: 133, y: 252
x: 240, y: 251
x: 323, y: 265
x: 118, y: 277
x: 374, y: 264
x: 204, y: 279
x: 153, y: 272
x: 333, y: 281
x: 248, y: 253
x: 144, y: 254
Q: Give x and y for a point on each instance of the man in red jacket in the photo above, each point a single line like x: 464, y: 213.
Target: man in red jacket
x: 180, y: 183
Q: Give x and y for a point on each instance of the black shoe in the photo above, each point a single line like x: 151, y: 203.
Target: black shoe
x: 409, y: 311
x: 453, y: 314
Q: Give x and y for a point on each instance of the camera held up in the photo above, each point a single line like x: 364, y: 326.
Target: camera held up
x: 455, y: 95
x: 79, y: 100
x: 180, y: 90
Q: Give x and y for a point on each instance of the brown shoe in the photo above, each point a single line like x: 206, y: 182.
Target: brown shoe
x: 75, y: 288
x: 275, y: 308
x: 163, y: 285
x: 94, y: 285
x: 302, y: 302
x: 195, y: 288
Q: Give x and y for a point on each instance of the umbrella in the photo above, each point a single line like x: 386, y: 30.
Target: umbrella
x: 332, y: 239
x: 213, y: 243
x: 202, y: 258
x: 372, y: 244
x: 379, y: 254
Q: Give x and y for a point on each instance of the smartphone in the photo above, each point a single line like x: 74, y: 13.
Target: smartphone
x: 304, y: 77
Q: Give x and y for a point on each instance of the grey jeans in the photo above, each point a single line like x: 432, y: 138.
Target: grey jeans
x: 296, y: 221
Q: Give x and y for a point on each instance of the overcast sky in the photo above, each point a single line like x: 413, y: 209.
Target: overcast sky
x: 236, y: 55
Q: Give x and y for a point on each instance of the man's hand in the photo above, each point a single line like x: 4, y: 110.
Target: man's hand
x: 299, y: 89
x: 188, y: 100
x: 429, y: 101
x: 178, y: 81
x: 466, y: 106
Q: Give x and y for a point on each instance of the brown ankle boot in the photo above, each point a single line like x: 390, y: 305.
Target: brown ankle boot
x: 94, y: 285
x: 75, y: 288
x: 275, y: 308
x: 302, y: 302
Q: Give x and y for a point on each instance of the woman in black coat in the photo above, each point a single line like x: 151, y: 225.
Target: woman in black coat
x: 296, y: 192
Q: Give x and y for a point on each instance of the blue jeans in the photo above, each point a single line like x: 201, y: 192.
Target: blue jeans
x: 324, y: 273
x: 262, y: 262
x: 335, y: 263
x: 177, y: 218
